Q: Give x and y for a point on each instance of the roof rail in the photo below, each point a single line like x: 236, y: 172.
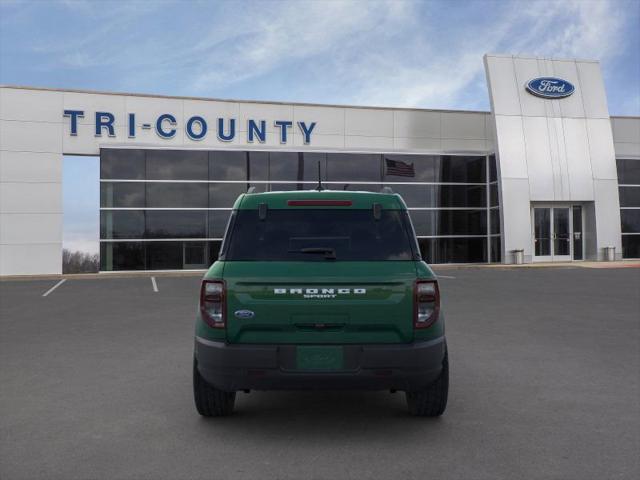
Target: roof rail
x: 386, y: 190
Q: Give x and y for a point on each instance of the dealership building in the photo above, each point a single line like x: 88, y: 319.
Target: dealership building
x: 546, y: 175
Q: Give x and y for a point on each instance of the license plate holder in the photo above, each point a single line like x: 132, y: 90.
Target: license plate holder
x: 314, y: 358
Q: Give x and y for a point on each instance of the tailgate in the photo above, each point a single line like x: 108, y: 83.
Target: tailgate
x: 320, y: 302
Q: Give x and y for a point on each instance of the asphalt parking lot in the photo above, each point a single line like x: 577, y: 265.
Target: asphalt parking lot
x: 95, y: 383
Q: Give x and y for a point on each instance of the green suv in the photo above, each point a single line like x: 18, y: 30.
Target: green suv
x: 320, y: 290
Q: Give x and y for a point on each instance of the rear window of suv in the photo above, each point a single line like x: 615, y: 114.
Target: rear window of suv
x: 319, y: 235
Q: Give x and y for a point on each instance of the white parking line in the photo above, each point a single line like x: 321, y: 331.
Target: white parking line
x: 54, y: 287
x: 445, y: 276
x: 154, y: 284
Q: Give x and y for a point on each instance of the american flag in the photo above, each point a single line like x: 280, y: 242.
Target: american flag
x: 399, y: 169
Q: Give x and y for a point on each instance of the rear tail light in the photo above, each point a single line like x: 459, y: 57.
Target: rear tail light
x: 426, y: 303
x: 212, y: 303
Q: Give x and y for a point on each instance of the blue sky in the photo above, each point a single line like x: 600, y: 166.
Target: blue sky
x: 391, y: 53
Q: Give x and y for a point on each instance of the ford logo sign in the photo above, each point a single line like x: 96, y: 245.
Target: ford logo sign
x: 550, y: 87
x: 244, y: 314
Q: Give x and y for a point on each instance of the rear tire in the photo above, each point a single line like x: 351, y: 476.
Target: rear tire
x: 211, y: 402
x: 432, y: 401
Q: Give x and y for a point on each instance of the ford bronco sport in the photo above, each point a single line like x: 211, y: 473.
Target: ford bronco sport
x: 320, y: 290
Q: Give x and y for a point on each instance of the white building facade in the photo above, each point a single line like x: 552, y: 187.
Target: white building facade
x: 546, y: 175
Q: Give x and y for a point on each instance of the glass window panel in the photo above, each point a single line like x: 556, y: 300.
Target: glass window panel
x: 224, y: 165
x: 461, y: 169
x: 218, y: 222
x: 224, y: 195
x: 457, y: 195
x: 453, y: 250
x: 292, y: 167
x: 125, y: 164
x: 410, y: 168
x: 195, y: 255
x: 441, y: 196
x: 176, y: 224
x: 628, y: 171
x: 287, y: 166
x: 177, y: 195
x: 449, y: 222
x: 122, y: 256
x: 311, y: 160
x: 629, y: 196
x: 122, y: 195
x: 494, y: 216
x: 493, y: 168
x: 630, y: 221
x: 413, y: 195
x: 258, y: 166
x: 435, y: 168
x: 630, y: 246
x: 164, y: 255
x: 353, y: 167
x: 496, y: 252
x: 494, y: 197
x: 177, y: 165
x: 121, y: 224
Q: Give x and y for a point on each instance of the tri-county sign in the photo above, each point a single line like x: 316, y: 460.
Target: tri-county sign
x: 196, y: 127
x: 550, y: 87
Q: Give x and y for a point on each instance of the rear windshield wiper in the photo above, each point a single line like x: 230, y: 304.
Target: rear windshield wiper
x: 329, y: 253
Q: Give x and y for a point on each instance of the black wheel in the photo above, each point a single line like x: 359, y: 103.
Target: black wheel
x: 211, y: 402
x: 432, y: 401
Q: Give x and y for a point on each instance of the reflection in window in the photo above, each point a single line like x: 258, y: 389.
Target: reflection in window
x: 224, y: 195
x: 164, y: 255
x: 465, y: 190
x: 453, y: 250
x: 122, y: 256
x: 287, y: 166
x: 218, y: 222
x: 177, y: 195
x: 176, y: 224
x: 122, y: 195
x: 629, y: 196
x: 121, y: 224
x: 494, y: 215
x: 631, y: 246
x: 124, y: 164
x: 353, y: 167
x: 493, y: 169
x: 177, y: 165
x: 449, y: 222
x: 628, y: 171
x: 630, y: 221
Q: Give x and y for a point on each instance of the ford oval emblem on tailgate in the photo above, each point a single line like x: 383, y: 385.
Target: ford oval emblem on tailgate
x: 244, y: 314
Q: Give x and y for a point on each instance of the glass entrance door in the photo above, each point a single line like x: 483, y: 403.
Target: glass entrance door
x: 542, y: 233
x: 561, y: 234
x: 557, y: 233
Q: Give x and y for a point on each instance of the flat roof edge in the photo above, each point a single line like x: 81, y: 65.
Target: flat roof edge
x: 231, y: 100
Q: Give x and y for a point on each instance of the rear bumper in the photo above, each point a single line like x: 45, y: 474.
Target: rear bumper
x: 408, y: 367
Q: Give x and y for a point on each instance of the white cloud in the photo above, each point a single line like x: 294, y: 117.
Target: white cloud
x: 387, y: 52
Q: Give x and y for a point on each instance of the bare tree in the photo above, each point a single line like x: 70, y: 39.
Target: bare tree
x: 79, y: 262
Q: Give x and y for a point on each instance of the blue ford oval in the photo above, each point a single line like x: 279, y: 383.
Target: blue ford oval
x: 550, y: 87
